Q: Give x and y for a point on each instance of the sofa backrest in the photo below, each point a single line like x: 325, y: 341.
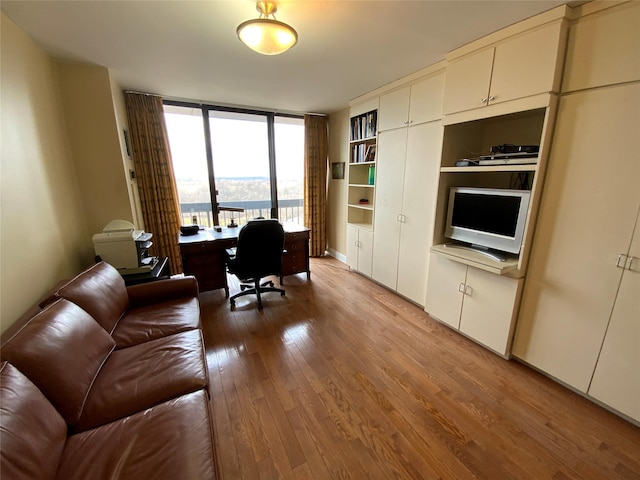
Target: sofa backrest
x: 32, y: 432
x: 101, y: 291
x: 61, y: 350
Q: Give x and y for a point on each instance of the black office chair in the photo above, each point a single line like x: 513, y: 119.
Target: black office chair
x: 258, y: 254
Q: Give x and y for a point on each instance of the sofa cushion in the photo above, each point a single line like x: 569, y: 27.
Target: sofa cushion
x: 145, y: 375
x: 61, y: 350
x: 32, y: 432
x: 169, y: 441
x: 101, y: 291
x: 158, y: 320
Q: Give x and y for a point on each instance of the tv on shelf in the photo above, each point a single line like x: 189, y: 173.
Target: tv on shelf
x: 488, y: 218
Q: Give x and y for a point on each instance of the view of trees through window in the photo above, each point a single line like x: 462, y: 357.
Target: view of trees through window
x: 241, y: 165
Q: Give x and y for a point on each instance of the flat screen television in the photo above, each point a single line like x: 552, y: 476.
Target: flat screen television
x: 488, y: 218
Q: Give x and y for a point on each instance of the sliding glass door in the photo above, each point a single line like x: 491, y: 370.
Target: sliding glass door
x: 235, y: 165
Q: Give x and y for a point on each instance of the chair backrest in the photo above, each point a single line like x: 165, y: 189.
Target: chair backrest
x: 259, y: 251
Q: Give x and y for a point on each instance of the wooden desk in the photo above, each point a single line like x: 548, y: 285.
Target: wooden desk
x: 203, y: 254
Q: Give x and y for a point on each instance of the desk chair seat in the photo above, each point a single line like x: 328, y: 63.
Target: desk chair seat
x: 258, y: 255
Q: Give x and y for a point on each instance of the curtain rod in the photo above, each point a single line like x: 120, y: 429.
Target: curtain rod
x: 209, y: 104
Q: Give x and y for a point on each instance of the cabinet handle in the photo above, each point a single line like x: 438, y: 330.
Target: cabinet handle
x: 484, y: 100
x: 398, y: 219
x: 406, y: 122
x: 461, y: 288
x: 492, y: 98
x: 622, y: 261
x: 468, y: 290
x: 630, y: 264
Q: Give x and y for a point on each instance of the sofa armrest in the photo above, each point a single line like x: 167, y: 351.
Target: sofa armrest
x: 162, y: 290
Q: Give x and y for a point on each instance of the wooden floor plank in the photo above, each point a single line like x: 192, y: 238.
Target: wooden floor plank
x: 342, y: 379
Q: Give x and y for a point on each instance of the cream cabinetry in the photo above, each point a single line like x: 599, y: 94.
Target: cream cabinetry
x: 409, y: 146
x: 592, y: 196
x: 616, y: 380
x: 603, y: 47
x: 359, y: 249
x: 519, y: 66
x: 405, y: 204
x: 480, y: 304
x: 416, y: 103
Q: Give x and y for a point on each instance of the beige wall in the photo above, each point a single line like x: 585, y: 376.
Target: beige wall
x: 122, y: 124
x: 95, y: 140
x: 43, y: 231
x: 337, y: 197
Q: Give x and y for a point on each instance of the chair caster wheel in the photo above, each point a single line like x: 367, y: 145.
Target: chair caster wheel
x: 233, y: 304
x: 282, y: 294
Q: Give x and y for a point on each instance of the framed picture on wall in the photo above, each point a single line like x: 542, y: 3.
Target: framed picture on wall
x: 337, y: 170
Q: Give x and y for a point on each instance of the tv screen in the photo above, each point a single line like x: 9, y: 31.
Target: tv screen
x: 488, y: 218
x: 490, y: 213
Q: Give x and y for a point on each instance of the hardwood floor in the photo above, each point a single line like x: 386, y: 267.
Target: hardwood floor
x: 341, y: 379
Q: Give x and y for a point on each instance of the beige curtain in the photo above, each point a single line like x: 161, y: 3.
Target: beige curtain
x: 316, y: 148
x: 154, y: 174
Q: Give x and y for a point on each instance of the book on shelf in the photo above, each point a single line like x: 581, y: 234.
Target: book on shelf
x: 364, y: 126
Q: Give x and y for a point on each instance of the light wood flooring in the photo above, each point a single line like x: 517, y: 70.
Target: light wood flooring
x: 342, y: 379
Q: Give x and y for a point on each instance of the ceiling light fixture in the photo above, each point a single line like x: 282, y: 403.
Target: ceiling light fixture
x: 267, y: 35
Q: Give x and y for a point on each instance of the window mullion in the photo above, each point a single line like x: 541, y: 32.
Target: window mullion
x: 272, y: 164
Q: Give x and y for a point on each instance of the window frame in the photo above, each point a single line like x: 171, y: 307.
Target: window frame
x: 270, y: 117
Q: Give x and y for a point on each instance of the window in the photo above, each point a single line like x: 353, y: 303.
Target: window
x: 236, y: 165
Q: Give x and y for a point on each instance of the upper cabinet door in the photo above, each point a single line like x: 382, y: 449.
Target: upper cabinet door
x: 526, y: 65
x: 394, y: 109
x: 603, y: 49
x: 426, y: 99
x: 467, y: 82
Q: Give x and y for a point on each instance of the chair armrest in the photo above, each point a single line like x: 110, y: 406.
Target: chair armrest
x: 162, y: 290
x: 231, y: 252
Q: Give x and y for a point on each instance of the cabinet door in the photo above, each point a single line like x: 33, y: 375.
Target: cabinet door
x: 418, y: 208
x: 585, y: 221
x: 488, y: 308
x: 467, y: 82
x: 426, y: 99
x: 526, y: 65
x: 365, y: 251
x: 352, y: 246
x: 616, y: 380
x: 603, y: 49
x: 394, y: 109
x: 392, y: 146
x: 444, y: 298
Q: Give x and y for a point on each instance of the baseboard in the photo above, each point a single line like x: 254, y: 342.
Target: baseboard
x: 337, y: 255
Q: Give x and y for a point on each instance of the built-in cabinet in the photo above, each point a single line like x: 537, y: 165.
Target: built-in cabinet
x: 416, y: 103
x: 568, y: 303
x: 519, y: 66
x: 361, y: 174
x: 406, y: 185
x: 511, y: 78
x: 359, y: 249
x: 616, y: 380
x: 580, y: 308
x: 478, y: 303
x: 487, y: 291
x: 592, y: 197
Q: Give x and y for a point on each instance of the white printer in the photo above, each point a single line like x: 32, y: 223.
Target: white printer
x: 124, y: 247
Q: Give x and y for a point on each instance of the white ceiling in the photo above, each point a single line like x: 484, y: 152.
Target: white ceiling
x: 189, y: 49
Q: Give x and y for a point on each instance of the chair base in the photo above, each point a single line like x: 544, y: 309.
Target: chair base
x: 256, y: 289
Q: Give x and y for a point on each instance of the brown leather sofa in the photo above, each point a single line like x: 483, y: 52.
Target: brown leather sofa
x: 108, y: 381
